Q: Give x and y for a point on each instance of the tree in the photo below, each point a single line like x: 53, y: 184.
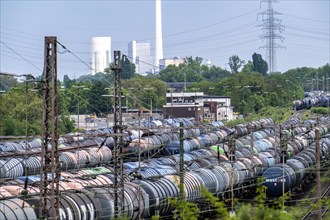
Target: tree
x: 259, y: 65
x: 139, y: 95
x: 95, y: 99
x: 67, y: 82
x: 214, y: 73
x: 189, y: 71
x: 248, y: 68
x: 171, y: 73
x: 6, y: 82
x: 193, y: 62
x: 235, y: 63
x: 127, y: 68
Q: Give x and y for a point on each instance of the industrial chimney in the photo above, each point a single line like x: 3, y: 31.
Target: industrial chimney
x: 159, y: 36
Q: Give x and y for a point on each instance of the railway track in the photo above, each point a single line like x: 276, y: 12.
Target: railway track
x: 298, y: 114
x: 312, y: 213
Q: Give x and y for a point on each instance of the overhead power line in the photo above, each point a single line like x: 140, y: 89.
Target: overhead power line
x: 73, y: 54
x: 18, y: 54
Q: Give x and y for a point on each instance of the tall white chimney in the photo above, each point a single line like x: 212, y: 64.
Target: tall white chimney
x: 159, y: 36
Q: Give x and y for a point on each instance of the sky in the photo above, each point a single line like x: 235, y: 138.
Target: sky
x: 213, y: 30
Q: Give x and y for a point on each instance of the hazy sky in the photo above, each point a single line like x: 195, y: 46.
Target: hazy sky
x: 213, y: 30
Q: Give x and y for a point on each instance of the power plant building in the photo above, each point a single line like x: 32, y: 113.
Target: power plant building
x: 159, y: 35
x: 101, y: 54
x: 139, y: 53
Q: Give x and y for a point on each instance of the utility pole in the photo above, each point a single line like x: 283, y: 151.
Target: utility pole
x: 49, y: 187
x: 284, y: 147
x: 118, y: 139
x: 270, y: 26
x: 181, y: 163
x: 318, y: 175
x: 232, y: 148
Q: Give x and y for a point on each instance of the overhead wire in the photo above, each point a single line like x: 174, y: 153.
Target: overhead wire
x: 305, y: 18
x: 18, y: 54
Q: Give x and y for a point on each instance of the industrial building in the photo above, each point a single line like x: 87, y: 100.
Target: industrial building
x: 139, y: 53
x: 100, y: 54
x: 199, y: 106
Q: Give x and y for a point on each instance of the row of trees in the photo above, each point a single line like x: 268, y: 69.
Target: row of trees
x: 250, y: 90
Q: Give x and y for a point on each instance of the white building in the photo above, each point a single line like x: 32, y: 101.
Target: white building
x: 101, y: 54
x: 218, y: 108
x: 163, y: 63
x: 139, y: 53
x: 198, y: 106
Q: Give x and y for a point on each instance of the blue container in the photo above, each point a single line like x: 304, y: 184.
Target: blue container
x: 274, y: 180
x: 172, y: 148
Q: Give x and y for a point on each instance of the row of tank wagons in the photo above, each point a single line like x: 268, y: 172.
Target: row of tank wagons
x: 295, y: 170
x: 314, y: 93
x: 88, y: 203
x: 168, y: 125
x: 266, y: 152
x: 197, y: 138
x: 14, y: 167
x: 308, y: 102
x: 131, y: 134
x: 216, y: 179
x: 143, y: 198
x: 263, y: 143
x: 146, y: 143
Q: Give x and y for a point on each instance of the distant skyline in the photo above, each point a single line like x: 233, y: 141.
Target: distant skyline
x: 213, y: 30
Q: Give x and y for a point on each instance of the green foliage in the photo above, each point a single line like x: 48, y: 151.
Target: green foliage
x: 259, y: 65
x: 128, y: 68
x: 65, y: 124
x: 96, y: 102
x: 214, y: 73
x: 192, y: 71
x: 172, y: 74
x: 184, y: 210
x: 263, y: 211
x: 141, y: 90
x: 7, y: 82
x: 20, y: 112
x: 67, y: 82
x: 248, y: 67
x: 320, y: 110
x: 219, y: 206
x: 235, y: 63
x: 122, y: 217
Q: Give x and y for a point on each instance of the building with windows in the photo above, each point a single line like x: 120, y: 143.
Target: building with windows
x: 100, y: 54
x: 199, y: 106
x: 139, y: 54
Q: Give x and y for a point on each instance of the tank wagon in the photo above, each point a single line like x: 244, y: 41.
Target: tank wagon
x: 87, y: 198
x: 84, y: 195
x: 311, y: 99
x: 295, y: 170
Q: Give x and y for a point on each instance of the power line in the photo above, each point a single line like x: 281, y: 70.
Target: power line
x: 20, y: 56
x: 73, y: 54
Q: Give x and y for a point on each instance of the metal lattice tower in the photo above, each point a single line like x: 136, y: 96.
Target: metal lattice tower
x: 49, y: 170
x: 270, y: 27
x: 118, y: 130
